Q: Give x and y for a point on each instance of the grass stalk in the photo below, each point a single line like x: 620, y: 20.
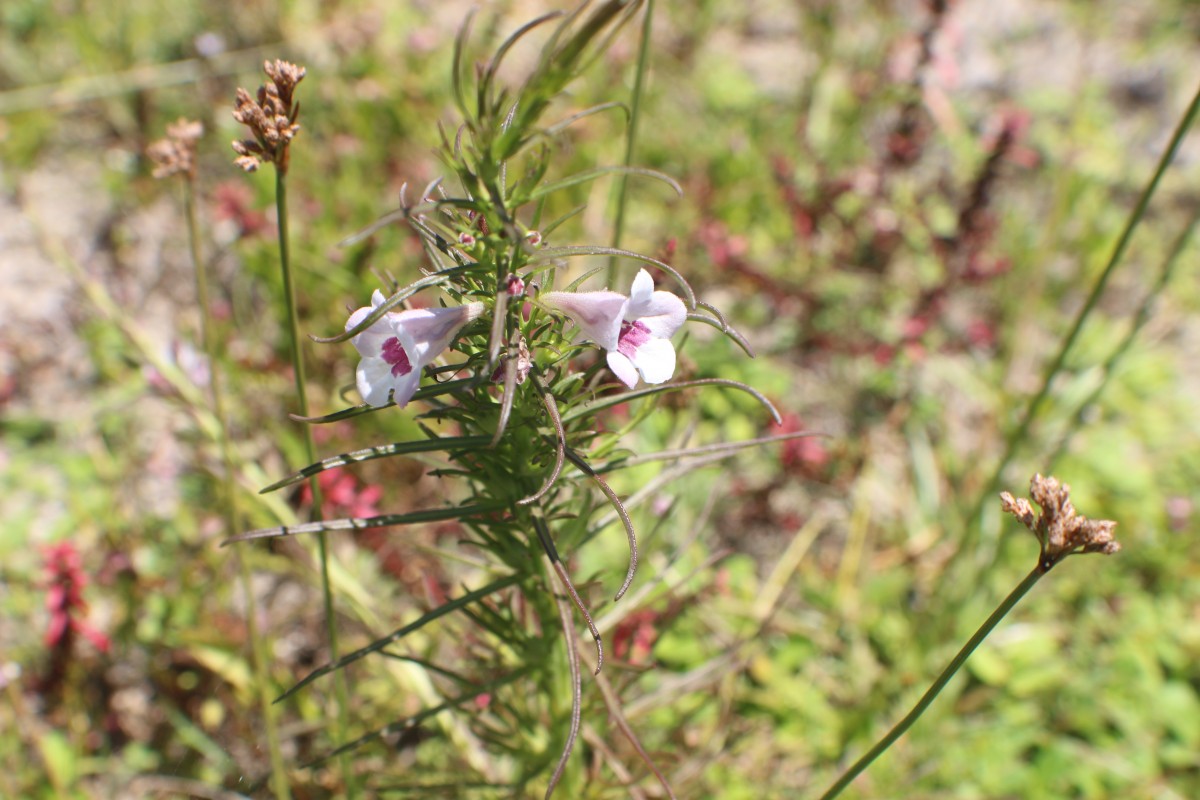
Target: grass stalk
x: 1140, y: 319
x: 230, y: 506
x: 635, y: 105
x: 1021, y: 430
x: 938, y: 685
x: 341, y: 693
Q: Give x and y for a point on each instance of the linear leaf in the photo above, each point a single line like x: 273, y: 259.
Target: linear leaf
x: 592, y: 406
x: 382, y: 451
x: 363, y: 523
x: 727, y: 448
x: 400, y: 633
x: 592, y: 174
x: 551, y: 253
x: 424, y: 393
x: 416, y: 719
x: 396, y: 299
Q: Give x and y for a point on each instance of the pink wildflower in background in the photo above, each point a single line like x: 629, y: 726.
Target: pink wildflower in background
x: 635, y: 330
x: 65, y: 580
x: 344, y: 495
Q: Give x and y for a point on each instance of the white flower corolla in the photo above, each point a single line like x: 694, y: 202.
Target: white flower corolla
x: 399, y: 345
x: 635, y: 330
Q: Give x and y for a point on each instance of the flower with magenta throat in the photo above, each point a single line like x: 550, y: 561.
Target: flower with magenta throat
x: 399, y: 345
x: 636, y: 330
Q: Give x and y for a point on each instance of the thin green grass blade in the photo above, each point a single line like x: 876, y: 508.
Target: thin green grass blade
x: 1140, y: 318
x: 635, y: 115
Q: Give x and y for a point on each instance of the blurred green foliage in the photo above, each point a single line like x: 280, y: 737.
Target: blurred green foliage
x: 838, y: 248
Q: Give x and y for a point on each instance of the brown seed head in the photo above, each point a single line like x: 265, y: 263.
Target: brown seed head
x: 1059, y: 529
x: 284, y: 76
x: 176, y: 154
x: 270, y: 116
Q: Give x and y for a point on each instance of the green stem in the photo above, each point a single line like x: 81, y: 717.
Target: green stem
x: 1140, y: 318
x: 955, y: 664
x: 1019, y: 433
x: 340, y: 690
x: 258, y: 644
x: 635, y: 105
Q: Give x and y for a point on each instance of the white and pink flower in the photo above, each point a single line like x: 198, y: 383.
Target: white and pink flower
x: 400, y: 344
x: 635, y: 330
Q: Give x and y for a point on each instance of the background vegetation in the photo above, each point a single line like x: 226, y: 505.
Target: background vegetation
x: 902, y: 205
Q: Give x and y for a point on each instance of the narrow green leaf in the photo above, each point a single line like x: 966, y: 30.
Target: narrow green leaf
x: 549, y: 229
x: 416, y: 719
x: 724, y: 328
x: 592, y: 174
x: 725, y: 448
x: 592, y: 406
x: 363, y: 523
x: 507, y: 45
x: 563, y: 124
x: 448, y: 443
x: 400, y: 633
x: 424, y: 393
x: 551, y: 253
x: 396, y: 299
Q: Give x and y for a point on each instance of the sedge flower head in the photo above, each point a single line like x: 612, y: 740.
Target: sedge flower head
x: 1060, y: 530
x: 399, y: 345
x: 635, y: 330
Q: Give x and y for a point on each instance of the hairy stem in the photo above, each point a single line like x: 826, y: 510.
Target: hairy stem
x: 926, y: 699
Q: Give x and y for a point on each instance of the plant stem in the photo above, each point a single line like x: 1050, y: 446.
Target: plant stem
x: 1140, y: 318
x: 955, y: 664
x: 1021, y: 431
x: 289, y: 287
x: 258, y: 644
x: 635, y: 105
